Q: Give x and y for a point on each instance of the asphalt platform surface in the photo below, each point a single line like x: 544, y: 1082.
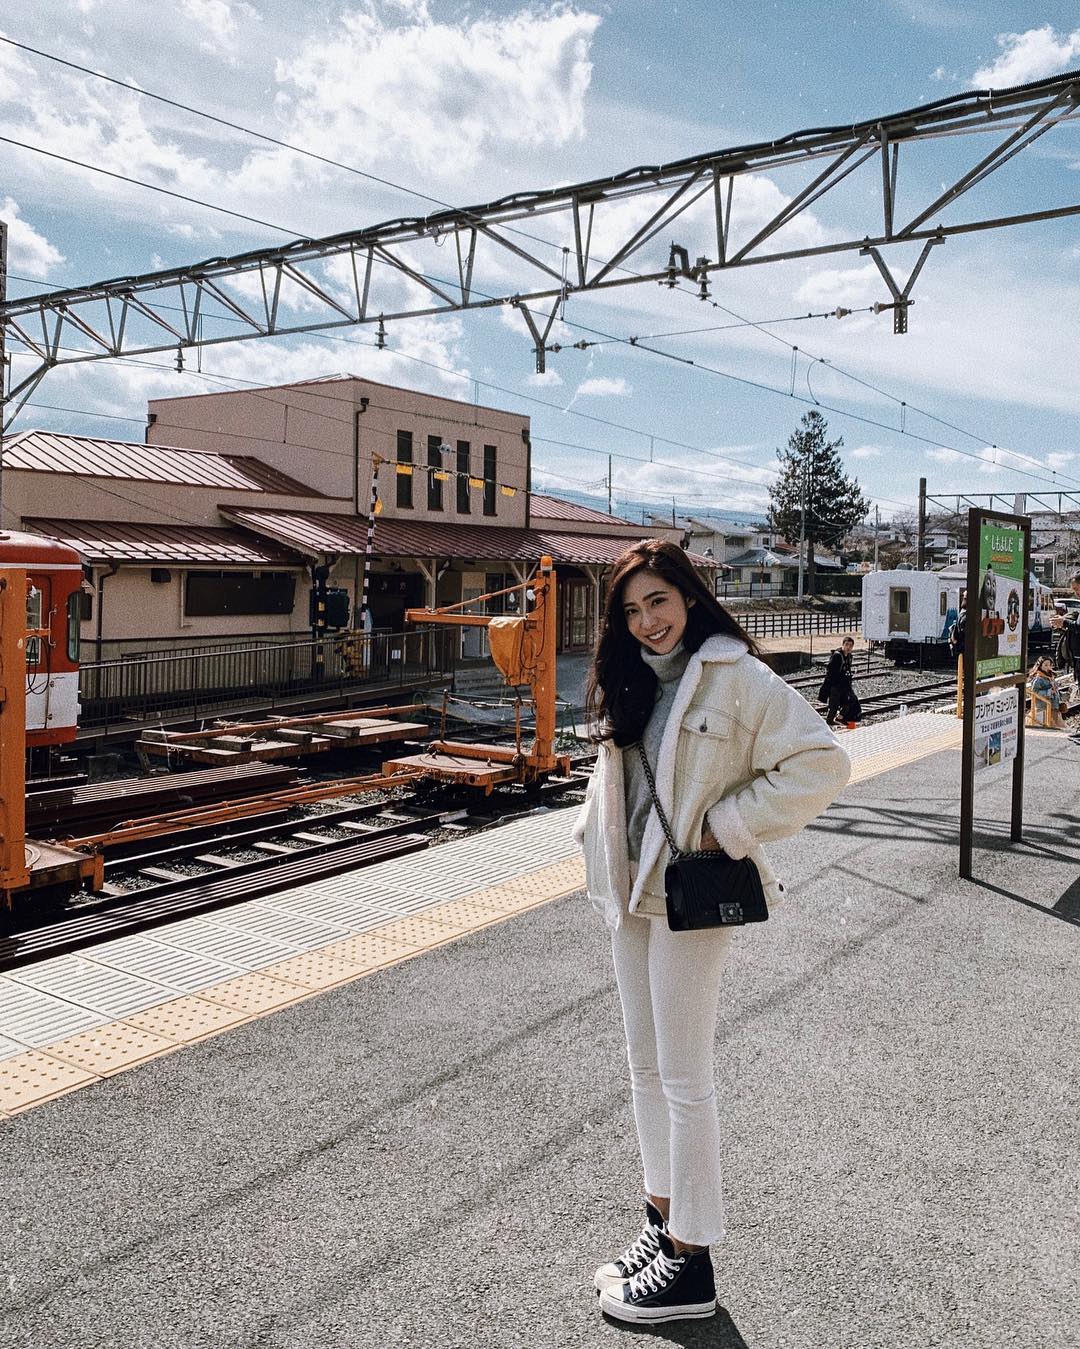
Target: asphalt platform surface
x: 440, y: 1154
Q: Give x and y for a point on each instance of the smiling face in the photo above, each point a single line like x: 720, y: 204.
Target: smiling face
x: 655, y: 611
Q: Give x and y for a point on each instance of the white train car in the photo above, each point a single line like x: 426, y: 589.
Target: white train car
x: 913, y: 611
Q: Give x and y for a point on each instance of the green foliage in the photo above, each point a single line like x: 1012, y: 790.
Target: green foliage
x: 834, y: 502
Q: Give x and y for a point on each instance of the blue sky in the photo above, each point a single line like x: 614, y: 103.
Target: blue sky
x: 466, y: 103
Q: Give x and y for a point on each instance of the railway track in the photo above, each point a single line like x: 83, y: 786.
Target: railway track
x: 149, y: 882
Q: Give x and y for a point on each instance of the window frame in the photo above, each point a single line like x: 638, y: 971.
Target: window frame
x: 434, y: 485
x: 404, y: 480
x: 491, y: 461
x: 464, y: 473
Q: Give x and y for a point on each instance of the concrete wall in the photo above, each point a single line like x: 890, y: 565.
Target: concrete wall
x: 133, y: 606
x: 321, y: 434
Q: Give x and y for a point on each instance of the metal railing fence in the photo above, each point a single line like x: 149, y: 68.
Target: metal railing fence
x: 798, y: 622
x: 209, y: 681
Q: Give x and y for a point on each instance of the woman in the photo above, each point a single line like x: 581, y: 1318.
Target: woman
x: 1041, y: 681
x: 738, y: 758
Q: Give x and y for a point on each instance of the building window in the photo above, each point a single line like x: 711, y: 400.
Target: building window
x: 463, y: 504
x: 74, y: 625
x: 216, y: 594
x: 404, y: 480
x: 489, y: 479
x: 434, y: 484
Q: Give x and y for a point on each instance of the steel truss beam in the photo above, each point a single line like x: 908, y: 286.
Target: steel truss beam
x: 537, y: 248
x: 1010, y: 503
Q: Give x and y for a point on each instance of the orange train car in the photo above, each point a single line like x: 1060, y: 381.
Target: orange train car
x: 54, y: 577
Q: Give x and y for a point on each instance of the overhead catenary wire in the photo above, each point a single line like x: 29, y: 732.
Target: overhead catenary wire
x: 633, y: 342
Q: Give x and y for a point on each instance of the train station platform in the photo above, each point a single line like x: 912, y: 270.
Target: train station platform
x: 430, y: 1138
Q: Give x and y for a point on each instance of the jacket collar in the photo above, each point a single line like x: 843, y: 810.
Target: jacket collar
x: 720, y: 649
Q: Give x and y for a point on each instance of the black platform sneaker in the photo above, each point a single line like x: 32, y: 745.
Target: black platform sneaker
x: 675, y: 1287
x: 635, y: 1257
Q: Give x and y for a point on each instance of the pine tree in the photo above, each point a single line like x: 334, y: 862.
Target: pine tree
x: 834, y: 502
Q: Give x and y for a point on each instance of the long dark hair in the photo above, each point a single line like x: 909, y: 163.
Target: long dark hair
x: 621, y: 688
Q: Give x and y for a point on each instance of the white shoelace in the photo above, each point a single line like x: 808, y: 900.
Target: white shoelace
x: 653, y: 1277
x: 644, y: 1249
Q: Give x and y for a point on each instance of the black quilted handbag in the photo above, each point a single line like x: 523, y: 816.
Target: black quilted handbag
x: 706, y: 888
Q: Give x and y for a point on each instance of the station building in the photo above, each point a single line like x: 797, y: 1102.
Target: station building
x: 210, y: 531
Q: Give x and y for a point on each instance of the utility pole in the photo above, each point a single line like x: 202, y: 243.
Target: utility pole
x: 609, y: 484
x: 802, y: 527
x: 877, y: 531
x: 3, y: 358
x: 673, y: 525
x: 920, y: 553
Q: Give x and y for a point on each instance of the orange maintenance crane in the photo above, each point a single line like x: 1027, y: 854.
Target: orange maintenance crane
x: 523, y: 649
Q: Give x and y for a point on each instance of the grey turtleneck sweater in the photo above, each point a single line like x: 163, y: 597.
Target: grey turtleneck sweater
x: 669, y: 669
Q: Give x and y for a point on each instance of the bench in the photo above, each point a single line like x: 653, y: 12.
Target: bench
x: 1041, y: 710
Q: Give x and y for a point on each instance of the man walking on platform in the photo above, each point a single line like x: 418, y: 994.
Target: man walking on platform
x: 837, y: 689
x: 1069, y: 626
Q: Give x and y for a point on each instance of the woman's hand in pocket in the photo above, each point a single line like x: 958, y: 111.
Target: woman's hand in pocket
x: 708, y: 839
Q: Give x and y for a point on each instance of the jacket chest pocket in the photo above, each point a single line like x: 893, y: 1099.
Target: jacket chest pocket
x: 705, y: 745
x: 706, y: 723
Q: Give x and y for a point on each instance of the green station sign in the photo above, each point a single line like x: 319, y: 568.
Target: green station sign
x: 999, y: 611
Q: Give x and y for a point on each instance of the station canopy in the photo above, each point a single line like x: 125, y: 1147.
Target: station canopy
x: 316, y: 534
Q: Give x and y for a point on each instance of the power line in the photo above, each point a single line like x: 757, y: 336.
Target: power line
x: 742, y: 321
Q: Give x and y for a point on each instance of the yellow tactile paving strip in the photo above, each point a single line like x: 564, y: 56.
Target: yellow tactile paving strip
x: 40, y: 1075
x: 32, y: 1078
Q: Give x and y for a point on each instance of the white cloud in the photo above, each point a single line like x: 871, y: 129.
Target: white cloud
x: 29, y: 251
x: 441, y: 96
x: 1058, y: 459
x: 600, y: 387
x: 865, y: 452
x: 846, y: 286
x: 944, y: 456
x: 218, y: 17
x: 549, y: 379
x: 1028, y: 56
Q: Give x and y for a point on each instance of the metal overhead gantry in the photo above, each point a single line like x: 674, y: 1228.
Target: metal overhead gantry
x: 533, y: 250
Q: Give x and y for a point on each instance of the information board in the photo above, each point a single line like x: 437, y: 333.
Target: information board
x: 996, y: 717
x: 1000, y: 612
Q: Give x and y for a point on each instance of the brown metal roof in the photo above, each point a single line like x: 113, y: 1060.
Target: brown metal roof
x: 314, y: 533
x: 120, y: 541
x: 89, y: 456
x: 543, y: 507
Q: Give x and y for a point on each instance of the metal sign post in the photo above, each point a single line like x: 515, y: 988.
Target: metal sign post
x: 995, y: 659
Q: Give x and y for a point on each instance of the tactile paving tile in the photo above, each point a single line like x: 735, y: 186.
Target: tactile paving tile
x: 253, y: 993
x: 343, y: 909
x: 33, y: 1077
x: 88, y: 984
x: 204, y: 937
x: 420, y: 932
x: 179, y: 970
x: 369, y: 950
x: 289, y: 930
x: 477, y: 910
x: 186, y: 1019
x: 9, y: 1048
x: 316, y: 969
x: 34, y: 1018
x: 110, y: 1048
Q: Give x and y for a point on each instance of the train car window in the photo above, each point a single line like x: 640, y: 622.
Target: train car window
x: 943, y: 605
x: 33, y: 620
x: 74, y: 628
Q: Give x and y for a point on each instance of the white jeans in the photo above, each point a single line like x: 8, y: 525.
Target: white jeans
x: 669, y: 986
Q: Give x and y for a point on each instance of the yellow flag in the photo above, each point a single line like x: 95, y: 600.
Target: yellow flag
x: 508, y: 491
x: 440, y: 475
x: 404, y: 469
x: 378, y: 505
x: 476, y: 482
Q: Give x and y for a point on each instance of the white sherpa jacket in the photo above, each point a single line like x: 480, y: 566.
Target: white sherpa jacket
x: 741, y: 749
